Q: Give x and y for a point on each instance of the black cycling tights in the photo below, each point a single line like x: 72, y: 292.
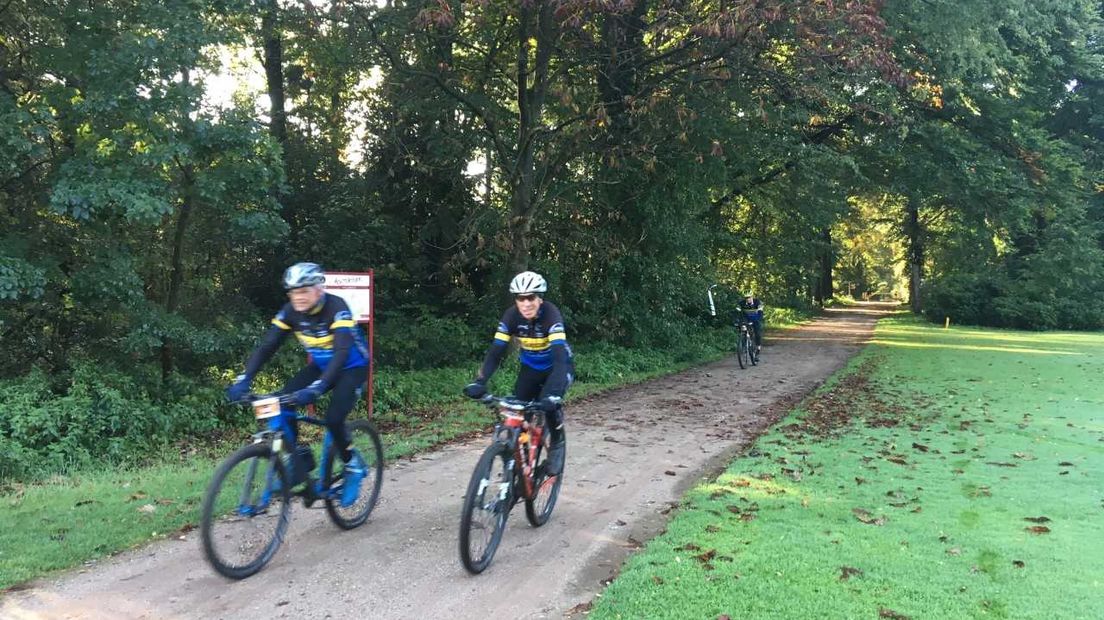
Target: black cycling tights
x: 530, y: 386
x: 343, y: 398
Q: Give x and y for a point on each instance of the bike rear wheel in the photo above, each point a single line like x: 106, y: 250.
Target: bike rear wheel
x: 753, y: 351
x: 363, y: 438
x: 487, y: 503
x: 742, y: 349
x: 246, y: 510
x: 547, y: 488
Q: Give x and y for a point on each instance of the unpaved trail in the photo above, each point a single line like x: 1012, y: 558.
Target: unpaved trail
x: 622, y: 447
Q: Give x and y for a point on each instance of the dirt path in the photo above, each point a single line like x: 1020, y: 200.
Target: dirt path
x: 404, y: 564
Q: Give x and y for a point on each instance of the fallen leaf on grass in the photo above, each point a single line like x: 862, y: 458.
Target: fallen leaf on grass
x: 954, y: 551
x: 712, y: 529
x: 884, y: 612
x: 706, y: 556
x: 1027, y: 456
x: 1038, y: 529
x: 859, y: 480
x: 847, y: 572
x: 999, y: 464
x: 919, y: 446
x: 137, y: 496
x: 147, y: 508
x: 741, y: 483
x: 1065, y: 464
x: 897, y: 459
x: 657, y: 580
x: 85, y: 502
x: 864, y: 515
x: 723, y: 617
x: 1018, y: 563
x: 688, y: 547
x: 1037, y: 519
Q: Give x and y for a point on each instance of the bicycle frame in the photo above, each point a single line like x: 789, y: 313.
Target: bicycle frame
x: 522, y: 430
x: 279, y: 427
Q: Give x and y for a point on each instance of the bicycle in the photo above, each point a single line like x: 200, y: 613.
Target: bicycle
x: 247, y: 506
x: 511, y: 468
x: 746, y: 349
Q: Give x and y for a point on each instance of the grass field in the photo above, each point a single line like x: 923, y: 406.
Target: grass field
x: 944, y: 474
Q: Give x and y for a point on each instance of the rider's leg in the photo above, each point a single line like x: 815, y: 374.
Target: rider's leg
x: 529, y: 383
x: 556, y: 435
x: 343, y: 398
x: 758, y: 332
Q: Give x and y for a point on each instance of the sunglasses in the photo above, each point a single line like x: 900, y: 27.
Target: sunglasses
x: 529, y: 297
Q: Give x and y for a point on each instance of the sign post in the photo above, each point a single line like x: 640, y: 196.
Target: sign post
x: 359, y: 291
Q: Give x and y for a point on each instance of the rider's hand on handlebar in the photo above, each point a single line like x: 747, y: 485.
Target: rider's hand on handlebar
x: 239, y: 389
x: 309, y: 394
x: 475, y: 389
x: 549, y: 404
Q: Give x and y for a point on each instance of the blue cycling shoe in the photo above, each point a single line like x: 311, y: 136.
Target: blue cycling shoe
x: 353, y: 475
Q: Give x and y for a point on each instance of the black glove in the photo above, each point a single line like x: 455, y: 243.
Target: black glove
x: 310, y: 393
x: 239, y: 389
x: 475, y: 389
x: 551, y: 404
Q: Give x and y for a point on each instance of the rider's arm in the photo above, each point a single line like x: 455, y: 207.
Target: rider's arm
x: 496, y: 351
x: 342, y: 330
x: 269, y: 344
x: 557, y: 341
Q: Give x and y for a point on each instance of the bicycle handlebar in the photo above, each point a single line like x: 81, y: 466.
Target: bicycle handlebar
x: 249, y: 399
x: 509, y: 402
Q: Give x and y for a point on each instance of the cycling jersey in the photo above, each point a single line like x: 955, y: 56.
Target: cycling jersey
x: 543, y: 345
x: 752, y: 311
x: 327, y: 332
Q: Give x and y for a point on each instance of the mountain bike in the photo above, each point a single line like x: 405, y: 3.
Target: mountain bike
x: 512, y: 468
x: 247, y: 506
x: 747, y: 352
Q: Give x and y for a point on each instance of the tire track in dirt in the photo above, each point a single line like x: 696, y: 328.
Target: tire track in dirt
x: 404, y: 563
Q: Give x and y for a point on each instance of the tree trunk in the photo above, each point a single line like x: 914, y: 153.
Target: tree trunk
x: 826, y: 260
x: 274, y: 72
x: 914, y: 233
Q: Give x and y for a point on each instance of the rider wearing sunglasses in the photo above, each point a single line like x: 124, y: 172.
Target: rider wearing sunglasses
x: 547, y: 364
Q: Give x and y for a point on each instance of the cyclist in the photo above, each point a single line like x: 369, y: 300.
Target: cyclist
x: 547, y: 363
x: 339, y: 360
x: 752, y: 309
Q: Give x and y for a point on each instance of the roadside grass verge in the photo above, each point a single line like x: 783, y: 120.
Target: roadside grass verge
x: 943, y: 474
x: 66, y: 521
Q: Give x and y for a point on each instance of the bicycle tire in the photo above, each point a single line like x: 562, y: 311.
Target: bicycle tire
x: 539, y: 509
x: 741, y: 349
x: 496, y: 506
x: 221, y: 513
x: 753, y: 352
x: 364, y: 438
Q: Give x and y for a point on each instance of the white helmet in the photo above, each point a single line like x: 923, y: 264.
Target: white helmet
x: 528, y: 282
x: 303, y: 274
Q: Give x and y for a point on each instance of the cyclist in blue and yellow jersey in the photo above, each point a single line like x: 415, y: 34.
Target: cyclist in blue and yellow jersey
x: 752, y: 309
x: 339, y: 359
x: 547, y: 364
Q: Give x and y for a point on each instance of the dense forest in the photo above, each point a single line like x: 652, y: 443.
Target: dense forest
x: 633, y: 151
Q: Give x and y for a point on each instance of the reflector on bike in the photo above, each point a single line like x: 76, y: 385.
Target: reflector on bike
x: 266, y: 408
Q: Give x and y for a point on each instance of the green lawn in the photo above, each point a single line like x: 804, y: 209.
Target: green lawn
x: 945, y: 474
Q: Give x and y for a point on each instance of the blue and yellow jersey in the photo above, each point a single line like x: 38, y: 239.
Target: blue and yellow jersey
x: 316, y: 328
x: 537, y: 337
x: 752, y: 311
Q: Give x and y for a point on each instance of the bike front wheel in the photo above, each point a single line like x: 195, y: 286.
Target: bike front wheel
x: 364, y: 439
x: 245, y: 512
x: 742, y: 349
x: 546, y: 491
x: 486, y: 505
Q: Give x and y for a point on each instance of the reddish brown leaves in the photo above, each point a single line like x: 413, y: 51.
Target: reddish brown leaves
x: 864, y: 516
x: 847, y: 572
x: 884, y: 612
x: 1038, y: 529
x: 1037, y: 519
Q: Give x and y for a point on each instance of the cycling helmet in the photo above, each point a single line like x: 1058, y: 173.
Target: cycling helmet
x: 303, y: 274
x: 528, y: 282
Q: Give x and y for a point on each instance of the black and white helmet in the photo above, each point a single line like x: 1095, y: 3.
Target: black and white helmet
x: 528, y: 282
x: 303, y: 274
